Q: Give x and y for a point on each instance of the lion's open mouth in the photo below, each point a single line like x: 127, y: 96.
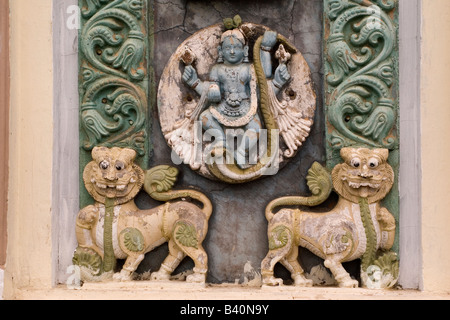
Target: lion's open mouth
x: 357, y: 185
x: 118, y: 187
x: 362, y: 187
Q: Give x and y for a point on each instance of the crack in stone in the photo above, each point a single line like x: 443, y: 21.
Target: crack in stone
x: 182, y: 25
x: 179, y: 18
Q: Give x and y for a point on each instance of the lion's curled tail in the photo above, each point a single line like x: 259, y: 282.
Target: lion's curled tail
x: 319, y: 183
x: 159, y: 182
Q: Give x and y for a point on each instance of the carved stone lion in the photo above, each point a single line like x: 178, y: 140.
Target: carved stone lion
x: 115, y: 228
x: 354, y: 229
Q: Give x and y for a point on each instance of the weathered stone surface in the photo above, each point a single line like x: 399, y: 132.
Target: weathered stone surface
x: 179, y: 105
x: 358, y: 227
x: 114, y: 228
x: 237, y: 227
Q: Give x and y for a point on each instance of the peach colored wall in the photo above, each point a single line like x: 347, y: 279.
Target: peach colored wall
x: 435, y: 119
x: 29, y: 260
x: 4, y: 125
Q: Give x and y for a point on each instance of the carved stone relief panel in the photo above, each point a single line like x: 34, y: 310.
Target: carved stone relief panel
x: 229, y: 89
x: 237, y: 240
x: 124, y: 48
x: 115, y: 228
x: 143, y: 65
x: 357, y: 227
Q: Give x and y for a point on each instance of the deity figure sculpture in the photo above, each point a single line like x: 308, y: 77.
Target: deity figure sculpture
x: 229, y: 89
x: 115, y: 228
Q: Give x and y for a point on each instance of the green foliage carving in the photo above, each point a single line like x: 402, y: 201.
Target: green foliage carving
x: 371, y: 246
x: 388, y: 264
x: 232, y: 23
x: 113, y: 115
x: 186, y: 235
x: 113, y: 78
x: 112, y: 40
x: 109, y: 259
x: 133, y: 239
x: 279, y: 237
x: 88, y: 258
x: 361, y: 53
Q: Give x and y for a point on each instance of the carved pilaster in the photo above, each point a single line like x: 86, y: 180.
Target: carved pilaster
x: 361, y: 80
x: 113, y: 78
x: 361, y: 73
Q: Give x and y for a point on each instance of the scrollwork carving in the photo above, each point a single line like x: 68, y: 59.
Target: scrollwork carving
x: 113, y: 77
x: 116, y: 118
x: 113, y: 42
x: 360, y: 74
x: 361, y: 101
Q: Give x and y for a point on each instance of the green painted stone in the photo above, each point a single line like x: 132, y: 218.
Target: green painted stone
x: 361, y: 97
x: 113, y: 79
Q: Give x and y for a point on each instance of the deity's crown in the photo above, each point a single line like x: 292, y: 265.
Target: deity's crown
x: 233, y: 29
x: 233, y: 33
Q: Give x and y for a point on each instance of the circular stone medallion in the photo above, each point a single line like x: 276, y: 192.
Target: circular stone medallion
x: 189, y: 109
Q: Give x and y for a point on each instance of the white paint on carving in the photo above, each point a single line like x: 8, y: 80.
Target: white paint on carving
x: 320, y: 276
x: 252, y: 278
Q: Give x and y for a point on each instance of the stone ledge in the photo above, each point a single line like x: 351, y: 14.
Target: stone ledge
x: 151, y: 290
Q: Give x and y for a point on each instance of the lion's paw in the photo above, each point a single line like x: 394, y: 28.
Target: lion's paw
x: 196, y: 278
x: 123, y: 275
x: 160, y: 275
x: 350, y: 283
x: 272, y: 281
x: 301, y: 281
